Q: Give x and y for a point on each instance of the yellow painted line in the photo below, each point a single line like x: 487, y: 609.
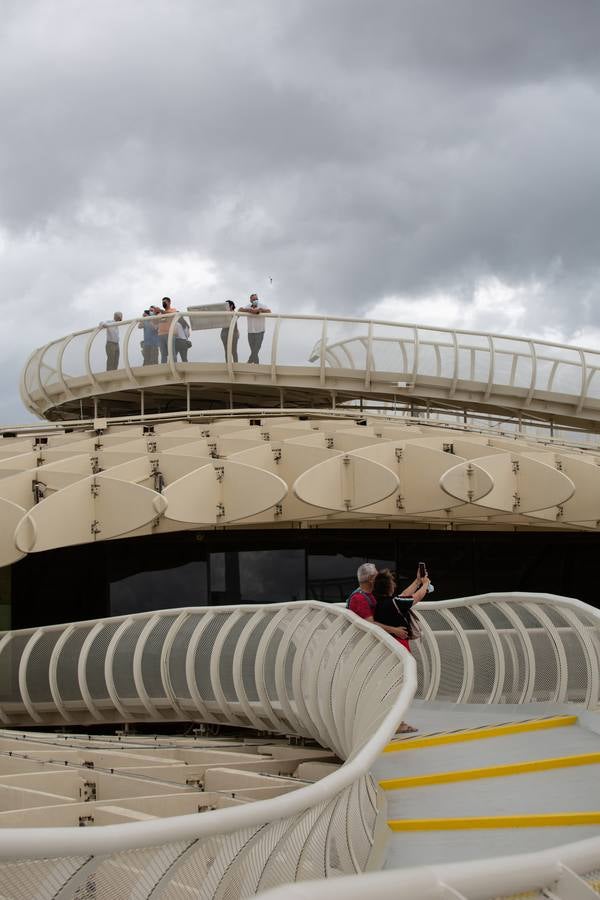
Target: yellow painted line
x: 479, y: 734
x: 539, y: 820
x: 517, y: 768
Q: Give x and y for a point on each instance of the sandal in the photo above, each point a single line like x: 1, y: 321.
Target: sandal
x: 405, y: 728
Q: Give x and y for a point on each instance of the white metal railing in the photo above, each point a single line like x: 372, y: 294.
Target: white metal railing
x: 509, y: 648
x: 366, y: 357
x: 305, y: 668
x: 570, y: 872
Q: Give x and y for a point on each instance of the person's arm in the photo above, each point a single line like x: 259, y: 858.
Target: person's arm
x: 265, y: 309
x: 421, y: 592
x: 396, y: 630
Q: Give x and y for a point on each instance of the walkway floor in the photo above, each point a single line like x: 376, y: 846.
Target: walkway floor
x: 547, y: 791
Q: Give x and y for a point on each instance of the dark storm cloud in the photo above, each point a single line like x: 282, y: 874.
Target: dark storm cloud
x: 356, y: 151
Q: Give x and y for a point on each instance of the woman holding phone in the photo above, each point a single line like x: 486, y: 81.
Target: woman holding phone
x: 396, y: 610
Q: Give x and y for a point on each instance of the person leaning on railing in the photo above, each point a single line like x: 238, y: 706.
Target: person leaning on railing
x: 112, y: 341
x: 150, y: 341
x: 256, y: 326
x: 230, y: 307
x: 163, y: 328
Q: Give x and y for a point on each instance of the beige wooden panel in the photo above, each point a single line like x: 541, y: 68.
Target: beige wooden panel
x: 541, y: 486
x: 134, y: 470
x: 110, y: 459
x: 10, y: 447
x: 17, y: 488
x: 198, y: 449
x: 227, y: 445
x: 122, y: 507
x: 10, y: 516
x: 467, y: 482
x: 311, y: 439
x: 345, y: 482
x: 294, y: 459
x: 500, y: 469
x: 419, y: 468
x: 174, y: 466
x: 63, y: 519
x: 249, y: 490
x: 473, y: 448
x: 72, y: 465
x: 585, y: 503
x: 174, y: 442
x: 94, y: 508
x: 223, y: 491
x: 344, y: 441
x: 19, y: 463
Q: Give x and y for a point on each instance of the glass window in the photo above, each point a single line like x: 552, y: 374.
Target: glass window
x: 332, y: 577
x: 5, y: 597
x: 257, y: 576
x: 183, y: 585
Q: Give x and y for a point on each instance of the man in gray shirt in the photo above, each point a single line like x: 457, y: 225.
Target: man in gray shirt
x: 112, y: 341
x: 256, y: 326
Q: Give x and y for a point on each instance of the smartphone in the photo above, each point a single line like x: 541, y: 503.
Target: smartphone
x: 422, y: 570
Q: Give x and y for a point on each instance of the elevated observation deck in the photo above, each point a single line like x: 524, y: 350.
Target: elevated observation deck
x: 314, y: 361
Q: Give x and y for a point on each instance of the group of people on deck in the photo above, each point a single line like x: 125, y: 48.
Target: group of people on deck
x: 376, y: 600
x: 156, y: 333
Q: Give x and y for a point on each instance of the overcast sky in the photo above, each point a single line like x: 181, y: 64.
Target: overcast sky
x: 429, y: 161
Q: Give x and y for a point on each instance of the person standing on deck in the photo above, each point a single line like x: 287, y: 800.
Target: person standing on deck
x: 256, y: 326
x: 112, y: 341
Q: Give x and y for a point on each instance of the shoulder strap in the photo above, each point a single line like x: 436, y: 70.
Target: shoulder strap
x: 358, y: 591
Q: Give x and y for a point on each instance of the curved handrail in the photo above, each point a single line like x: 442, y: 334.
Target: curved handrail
x: 327, y: 647
x: 570, y: 868
x: 346, y: 684
x: 490, y: 634
x: 372, y: 356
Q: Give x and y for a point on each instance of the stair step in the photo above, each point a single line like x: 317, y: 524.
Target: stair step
x: 478, y: 734
x: 534, y: 820
x: 516, y: 768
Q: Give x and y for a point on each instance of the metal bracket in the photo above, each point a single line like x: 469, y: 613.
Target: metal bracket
x: 84, y: 820
x: 448, y: 448
x: 88, y: 794
x: 220, y: 473
x: 398, y: 451
x: 94, y: 488
x: 95, y: 527
x: 39, y: 490
x: 276, y: 454
x: 151, y: 446
x: 220, y: 510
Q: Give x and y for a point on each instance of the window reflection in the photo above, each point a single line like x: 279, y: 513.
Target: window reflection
x: 257, y: 576
x: 332, y: 577
x: 183, y: 585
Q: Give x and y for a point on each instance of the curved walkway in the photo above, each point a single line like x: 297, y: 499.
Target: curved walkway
x: 312, y: 361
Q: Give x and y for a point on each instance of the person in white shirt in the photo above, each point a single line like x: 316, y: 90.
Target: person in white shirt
x: 182, y: 339
x: 256, y: 326
x: 112, y: 341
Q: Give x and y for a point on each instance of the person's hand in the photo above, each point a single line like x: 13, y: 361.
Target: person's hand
x: 401, y: 632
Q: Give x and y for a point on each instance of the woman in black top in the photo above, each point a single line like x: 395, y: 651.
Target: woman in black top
x: 396, y: 610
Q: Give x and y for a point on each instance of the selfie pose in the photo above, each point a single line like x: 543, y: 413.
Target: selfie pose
x: 395, y: 611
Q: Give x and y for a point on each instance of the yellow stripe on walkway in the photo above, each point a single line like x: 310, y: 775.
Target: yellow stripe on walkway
x: 541, y: 820
x: 517, y: 768
x: 479, y: 734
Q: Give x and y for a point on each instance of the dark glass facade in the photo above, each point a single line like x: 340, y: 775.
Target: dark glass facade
x: 270, y: 566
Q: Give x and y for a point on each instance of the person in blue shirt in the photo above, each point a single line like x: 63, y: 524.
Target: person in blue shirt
x: 150, y: 342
